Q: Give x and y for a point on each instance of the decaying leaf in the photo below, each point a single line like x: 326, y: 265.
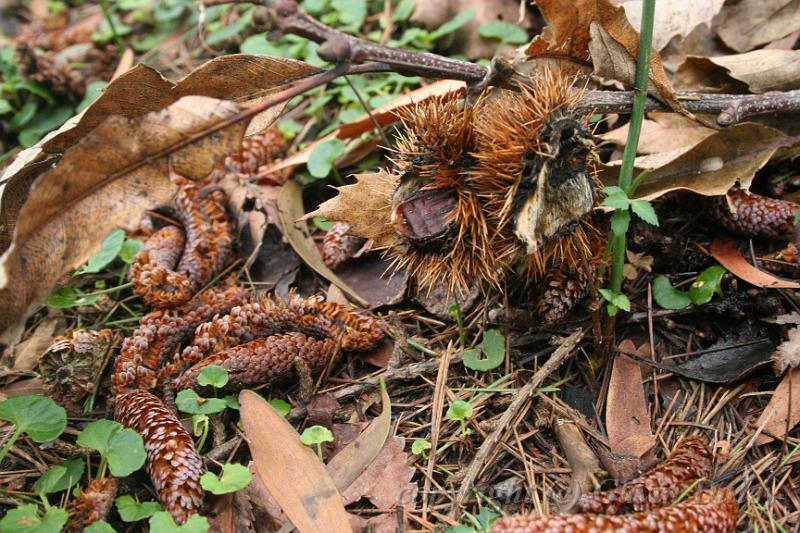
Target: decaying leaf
x: 27, y: 352
x: 295, y: 229
x: 373, y: 277
x: 731, y: 258
x: 386, y: 482
x: 627, y: 416
x: 292, y: 473
x: 365, y: 205
x: 596, y: 30
x: 751, y: 23
x: 787, y: 355
x: 782, y: 413
x: 582, y: 461
x: 106, y: 180
x: 662, y: 132
x: 672, y: 17
x: 760, y: 70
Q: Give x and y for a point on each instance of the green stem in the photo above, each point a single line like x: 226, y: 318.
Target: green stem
x: 319, y: 450
x: 618, y: 242
x: 101, y: 470
x: 10, y: 443
x: 107, y: 15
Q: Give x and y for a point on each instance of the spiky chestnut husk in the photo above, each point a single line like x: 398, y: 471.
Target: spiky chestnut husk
x: 167, y: 278
x: 752, y: 215
x: 71, y: 365
x: 266, y: 316
x: 93, y: 503
x: 161, y: 332
x: 338, y: 247
x: 689, y: 461
x: 255, y: 152
x: 709, y: 512
x: 173, y: 463
x: 262, y: 361
x: 485, y: 189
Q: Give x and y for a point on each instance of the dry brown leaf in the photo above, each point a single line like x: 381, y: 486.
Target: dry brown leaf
x: 27, y: 352
x: 295, y: 229
x: 292, y: 473
x: 750, y: 23
x: 596, y: 30
x: 761, y: 70
x: 715, y: 164
x: 672, y: 17
x: 384, y: 115
x: 373, y: 277
x: 662, y: 132
x: 787, y: 355
x: 782, y: 413
x: 387, y: 480
x: 582, y: 460
x: 365, y: 205
x: 627, y: 417
x: 353, y: 459
x: 99, y: 184
x: 731, y: 258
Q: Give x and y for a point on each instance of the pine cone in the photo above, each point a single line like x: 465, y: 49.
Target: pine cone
x: 94, y: 503
x: 338, y: 247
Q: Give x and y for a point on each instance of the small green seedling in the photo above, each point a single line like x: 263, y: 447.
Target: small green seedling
x: 322, y: 159
x: 26, y: 519
x: 702, y: 290
x: 115, y: 245
x: 461, y: 411
x: 190, y: 402
x: 281, y: 406
x: 214, y: 376
x: 162, y: 522
x: 492, y: 347
x: 101, y: 526
x: 35, y: 415
x: 616, y: 301
x: 504, y: 32
x: 59, y: 478
x: 420, y: 447
x: 121, y: 449
x: 234, y: 477
x: 316, y: 435
x: 455, y: 311
x: 132, y: 511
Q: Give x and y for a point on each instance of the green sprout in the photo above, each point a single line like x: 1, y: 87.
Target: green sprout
x: 162, y: 522
x: 316, y: 435
x: 420, y: 447
x: 234, y: 477
x: 132, y: 511
x: 461, y: 411
x: 59, y: 478
x: 121, y: 449
x: 493, y: 347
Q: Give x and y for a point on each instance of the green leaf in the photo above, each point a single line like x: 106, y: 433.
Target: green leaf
x: 617, y: 301
x: 453, y: 24
x: 706, y: 284
x: 797, y: 217
x: 232, y: 402
x: 93, y: 91
x: 420, y: 446
x: 620, y: 221
x: 290, y: 128
x: 129, y: 249
x: 351, y: 12
x: 60, y: 477
x: 5, y: 107
x: 459, y: 410
x: 404, y: 10
x: 503, y: 32
x: 101, y: 526
x: 460, y: 528
x: 190, y: 402
x: 214, y: 376
x: 24, y: 115
x: 616, y: 198
x: 123, y: 448
x: 322, y: 223
x: 131, y: 511
x: 108, y: 252
x: 316, y: 435
x: 45, y: 121
x: 162, y: 522
x: 234, y: 477
x: 67, y: 297
x: 645, y: 211
x: 493, y: 347
x: 281, y: 406
x: 37, y: 416
x: 667, y: 296
x: 322, y: 158
x: 26, y: 519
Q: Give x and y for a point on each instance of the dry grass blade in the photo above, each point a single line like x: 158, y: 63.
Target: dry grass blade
x: 292, y: 473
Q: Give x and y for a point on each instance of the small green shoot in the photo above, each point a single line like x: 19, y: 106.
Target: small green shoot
x: 35, y: 415
x: 132, y: 511
x: 316, y: 435
x: 190, y: 402
x: 420, y: 447
x: 234, y: 477
x: 121, y: 449
x: 282, y: 406
x: 322, y: 223
x: 214, y: 376
x: 59, y: 478
x: 482, y: 522
x: 796, y: 217
x: 461, y: 411
x: 455, y: 311
x: 702, y: 290
x: 26, y: 519
x: 101, y: 526
x: 200, y: 426
x: 616, y: 301
x: 492, y: 347
x: 162, y: 522
x: 322, y: 159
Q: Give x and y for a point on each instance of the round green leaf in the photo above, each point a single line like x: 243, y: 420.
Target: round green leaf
x: 214, y: 376
x: 101, y: 526
x: 316, y: 435
x: 420, y: 446
x: 97, y: 435
x: 126, y: 453
x: 459, y: 410
x: 129, y: 249
x: 234, y: 477
x: 162, y: 522
x: 667, y: 296
x: 60, y: 477
x: 37, y: 416
x: 131, y: 511
x: 190, y: 402
x: 109, y: 251
x: 281, y: 406
x: 504, y: 32
x: 26, y: 519
x: 706, y: 284
x: 324, y: 156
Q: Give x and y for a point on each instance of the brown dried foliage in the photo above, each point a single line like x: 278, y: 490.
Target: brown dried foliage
x: 93, y: 503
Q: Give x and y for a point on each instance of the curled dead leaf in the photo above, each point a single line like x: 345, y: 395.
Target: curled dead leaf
x: 627, y: 416
x: 672, y: 18
x: 787, y: 355
x: 731, y: 258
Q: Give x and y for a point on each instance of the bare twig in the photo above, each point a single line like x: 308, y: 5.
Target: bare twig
x: 521, y: 398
